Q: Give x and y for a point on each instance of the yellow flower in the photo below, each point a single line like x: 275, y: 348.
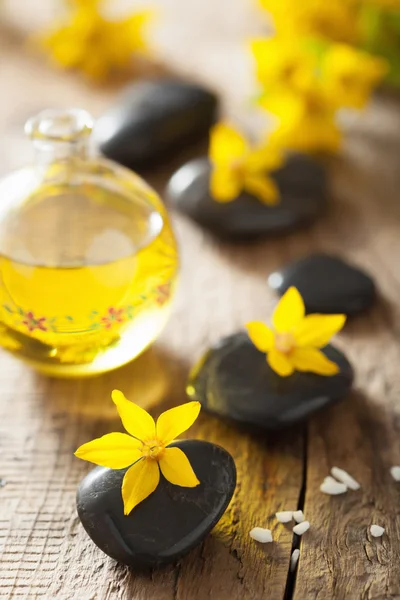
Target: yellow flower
x: 293, y: 343
x: 281, y: 62
x: 93, y: 45
x: 146, y: 450
x: 332, y: 19
x: 350, y: 75
x: 238, y: 167
x: 306, y: 121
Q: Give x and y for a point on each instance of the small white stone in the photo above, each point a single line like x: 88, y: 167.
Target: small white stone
x: 377, y: 530
x: 395, y: 472
x: 261, y: 535
x: 301, y: 528
x: 298, y: 516
x: 342, y: 476
x: 284, y: 516
x: 293, y: 559
x: 332, y: 487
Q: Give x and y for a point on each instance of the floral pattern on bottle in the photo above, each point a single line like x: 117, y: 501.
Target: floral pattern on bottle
x: 33, y: 322
x: 163, y: 293
x: 113, y: 316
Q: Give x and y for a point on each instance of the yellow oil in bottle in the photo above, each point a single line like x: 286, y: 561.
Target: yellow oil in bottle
x: 86, y: 278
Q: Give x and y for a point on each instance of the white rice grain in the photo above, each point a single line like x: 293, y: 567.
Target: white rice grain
x: 298, y: 516
x: 395, y: 472
x: 332, y: 487
x: 259, y: 534
x: 294, y: 559
x: 284, y: 516
x: 345, y: 478
x: 377, y: 531
x: 301, y: 528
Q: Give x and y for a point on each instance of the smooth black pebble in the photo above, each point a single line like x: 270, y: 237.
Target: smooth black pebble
x: 153, y: 118
x: 234, y: 380
x: 303, y: 189
x: 327, y: 284
x: 167, y: 524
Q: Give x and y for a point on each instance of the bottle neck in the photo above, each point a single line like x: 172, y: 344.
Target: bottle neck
x: 47, y: 152
x: 60, y: 135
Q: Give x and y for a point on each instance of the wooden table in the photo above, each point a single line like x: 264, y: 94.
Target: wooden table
x: 44, y: 551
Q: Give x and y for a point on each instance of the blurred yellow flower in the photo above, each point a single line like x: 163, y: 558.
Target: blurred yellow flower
x: 350, y: 75
x: 94, y: 45
x: 306, y: 121
x: 236, y: 166
x: 146, y: 450
x: 282, y: 62
x: 294, y: 342
x: 332, y: 19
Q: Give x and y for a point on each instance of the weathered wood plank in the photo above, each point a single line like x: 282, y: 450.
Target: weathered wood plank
x: 339, y: 558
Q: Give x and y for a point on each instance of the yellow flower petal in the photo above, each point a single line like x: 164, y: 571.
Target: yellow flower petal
x: 261, y: 335
x: 282, y: 62
x: 263, y: 188
x: 280, y: 363
x: 114, y: 450
x: 139, y: 482
x: 289, y: 312
x: 351, y: 74
x: 175, y: 421
x: 317, y: 330
x: 176, y: 468
x: 306, y: 120
x: 225, y: 185
x: 265, y: 158
x: 226, y: 144
x: 86, y: 34
x: 313, y: 360
x: 136, y: 421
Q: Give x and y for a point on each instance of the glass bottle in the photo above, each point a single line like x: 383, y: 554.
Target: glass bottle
x: 88, y: 260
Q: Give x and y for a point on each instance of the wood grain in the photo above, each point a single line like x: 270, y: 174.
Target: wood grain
x: 339, y: 558
x: 44, y: 552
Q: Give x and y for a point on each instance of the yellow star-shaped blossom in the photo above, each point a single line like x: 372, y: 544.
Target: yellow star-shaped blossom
x: 294, y: 342
x: 282, y: 63
x: 146, y: 450
x: 349, y: 75
x: 90, y: 43
x: 237, y: 167
x: 306, y: 121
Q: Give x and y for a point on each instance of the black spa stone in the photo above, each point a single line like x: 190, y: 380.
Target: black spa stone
x: 167, y: 524
x: 233, y: 380
x: 154, y: 118
x: 302, y: 184
x: 327, y: 284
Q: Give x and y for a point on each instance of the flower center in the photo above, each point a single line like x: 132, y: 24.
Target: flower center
x: 152, y: 449
x: 238, y: 167
x: 285, y: 342
x: 289, y: 71
x: 315, y: 104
